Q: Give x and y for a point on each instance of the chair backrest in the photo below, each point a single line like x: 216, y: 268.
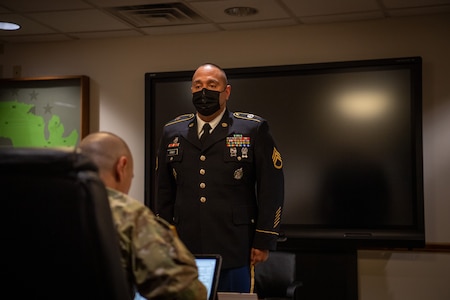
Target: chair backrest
x: 58, y: 238
x: 274, y: 277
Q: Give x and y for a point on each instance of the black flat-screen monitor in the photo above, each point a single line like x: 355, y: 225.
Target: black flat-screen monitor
x: 350, y: 135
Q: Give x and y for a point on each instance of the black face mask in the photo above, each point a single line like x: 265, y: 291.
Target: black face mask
x: 206, y: 101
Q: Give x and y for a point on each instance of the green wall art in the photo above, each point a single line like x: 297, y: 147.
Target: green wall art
x: 44, y: 111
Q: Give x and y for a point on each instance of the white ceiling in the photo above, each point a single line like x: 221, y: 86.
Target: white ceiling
x: 63, y: 20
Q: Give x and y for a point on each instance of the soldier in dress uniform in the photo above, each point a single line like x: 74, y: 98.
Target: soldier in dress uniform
x: 224, y: 194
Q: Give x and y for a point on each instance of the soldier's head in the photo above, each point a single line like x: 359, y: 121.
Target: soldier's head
x: 113, y: 158
x: 210, y: 91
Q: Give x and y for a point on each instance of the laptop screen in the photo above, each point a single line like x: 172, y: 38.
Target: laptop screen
x: 208, y: 271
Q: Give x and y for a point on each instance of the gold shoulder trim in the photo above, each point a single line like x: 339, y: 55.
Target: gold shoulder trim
x: 181, y: 118
x: 247, y: 116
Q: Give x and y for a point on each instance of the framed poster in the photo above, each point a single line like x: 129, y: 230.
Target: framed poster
x: 44, y: 111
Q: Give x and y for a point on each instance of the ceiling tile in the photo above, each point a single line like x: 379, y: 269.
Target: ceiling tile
x: 4, y: 10
x: 36, y: 38
x: 413, y: 3
x: 79, y: 20
x: 341, y: 18
x: 258, y: 24
x: 180, y: 29
x: 328, y: 7
x: 27, y: 26
x: 115, y: 3
x: 108, y: 34
x: 415, y: 11
x: 44, y: 5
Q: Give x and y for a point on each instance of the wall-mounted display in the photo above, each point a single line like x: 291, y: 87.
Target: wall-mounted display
x: 350, y: 134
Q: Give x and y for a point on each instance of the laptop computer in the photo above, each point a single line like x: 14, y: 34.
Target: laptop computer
x: 209, y: 266
x: 208, y: 272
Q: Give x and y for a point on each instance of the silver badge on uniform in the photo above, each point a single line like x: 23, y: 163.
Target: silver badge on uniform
x: 233, y: 152
x: 238, y: 173
x: 244, y: 152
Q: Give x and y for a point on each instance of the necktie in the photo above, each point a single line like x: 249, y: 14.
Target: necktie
x: 206, y: 134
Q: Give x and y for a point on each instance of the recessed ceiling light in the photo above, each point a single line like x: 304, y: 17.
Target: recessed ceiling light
x: 241, y: 11
x: 8, y: 26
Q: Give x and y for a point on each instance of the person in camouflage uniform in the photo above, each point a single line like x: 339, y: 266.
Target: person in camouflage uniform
x: 157, y: 263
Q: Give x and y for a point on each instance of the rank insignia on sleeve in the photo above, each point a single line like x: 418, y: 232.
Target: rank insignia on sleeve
x: 276, y: 158
x: 277, y: 218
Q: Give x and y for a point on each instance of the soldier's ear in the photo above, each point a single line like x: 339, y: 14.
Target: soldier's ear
x: 120, y: 169
x: 228, y: 91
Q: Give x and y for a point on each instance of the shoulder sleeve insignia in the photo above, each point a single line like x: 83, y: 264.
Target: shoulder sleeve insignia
x: 248, y: 116
x: 181, y: 118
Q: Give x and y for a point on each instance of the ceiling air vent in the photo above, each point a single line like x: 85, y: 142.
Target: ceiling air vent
x: 157, y: 14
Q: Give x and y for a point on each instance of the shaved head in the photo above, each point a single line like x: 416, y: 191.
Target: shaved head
x: 113, y: 158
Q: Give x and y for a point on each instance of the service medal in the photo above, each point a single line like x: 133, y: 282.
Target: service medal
x: 238, y: 173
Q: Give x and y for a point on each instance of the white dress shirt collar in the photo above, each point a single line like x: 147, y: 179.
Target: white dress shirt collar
x: 213, y: 123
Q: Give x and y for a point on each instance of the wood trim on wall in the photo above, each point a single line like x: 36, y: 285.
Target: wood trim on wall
x: 429, y: 247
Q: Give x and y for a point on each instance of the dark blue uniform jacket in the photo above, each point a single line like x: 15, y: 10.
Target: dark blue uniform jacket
x: 226, y: 196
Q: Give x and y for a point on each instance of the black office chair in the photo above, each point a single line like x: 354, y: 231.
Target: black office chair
x: 275, y: 279
x: 58, y: 239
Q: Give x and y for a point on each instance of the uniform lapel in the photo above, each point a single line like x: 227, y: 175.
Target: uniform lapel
x: 222, y: 130
x: 190, y: 134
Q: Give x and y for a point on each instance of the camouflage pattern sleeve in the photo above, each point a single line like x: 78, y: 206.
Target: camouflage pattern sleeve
x: 158, y: 264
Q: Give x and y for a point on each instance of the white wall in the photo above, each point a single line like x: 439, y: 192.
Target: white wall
x: 116, y: 68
